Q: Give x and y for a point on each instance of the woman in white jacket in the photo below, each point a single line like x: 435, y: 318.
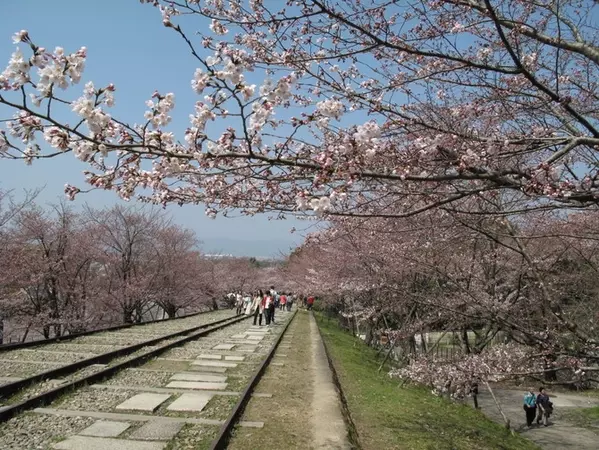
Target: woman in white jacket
x: 247, y: 304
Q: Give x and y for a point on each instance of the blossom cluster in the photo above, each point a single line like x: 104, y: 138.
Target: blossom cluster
x: 330, y: 108
x: 157, y: 115
x: 457, y: 378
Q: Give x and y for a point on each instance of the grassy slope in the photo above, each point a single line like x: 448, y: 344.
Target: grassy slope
x: 389, y: 417
x: 582, y: 417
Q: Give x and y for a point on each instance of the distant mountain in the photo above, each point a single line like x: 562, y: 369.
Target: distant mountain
x: 256, y: 248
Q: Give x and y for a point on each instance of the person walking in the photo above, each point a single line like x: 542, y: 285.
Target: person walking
x: 310, y: 302
x: 544, y: 406
x: 247, y: 304
x: 289, y: 301
x: 283, y: 301
x: 530, y: 407
x: 258, y: 307
x: 268, y: 308
x: 238, y: 303
x: 273, y: 295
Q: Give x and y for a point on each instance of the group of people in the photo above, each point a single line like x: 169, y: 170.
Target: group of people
x: 263, y: 304
x: 537, y: 405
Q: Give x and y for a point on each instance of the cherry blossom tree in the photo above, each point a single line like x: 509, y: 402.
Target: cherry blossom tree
x: 481, y: 282
x: 222, y: 275
x: 63, y: 271
x: 177, y: 268
x: 125, y: 237
x: 464, y: 113
x: 10, y: 253
x: 49, y: 274
x: 464, y: 98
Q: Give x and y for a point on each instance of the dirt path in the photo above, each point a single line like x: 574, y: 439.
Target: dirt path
x: 328, y: 427
x: 560, y: 435
x: 301, y: 407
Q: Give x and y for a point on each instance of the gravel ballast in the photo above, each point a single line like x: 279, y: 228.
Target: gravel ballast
x: 37, y: 431
x: 106, y: 400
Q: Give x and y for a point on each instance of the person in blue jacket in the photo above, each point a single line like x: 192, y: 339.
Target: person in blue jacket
x: 530, y: 406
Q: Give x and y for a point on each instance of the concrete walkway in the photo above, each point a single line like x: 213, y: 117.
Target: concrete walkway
x: 560, y: 435
x: 328, y: 427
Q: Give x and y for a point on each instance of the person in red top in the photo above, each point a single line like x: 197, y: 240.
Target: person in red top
x: 310, y: 302
x: 282, y: 301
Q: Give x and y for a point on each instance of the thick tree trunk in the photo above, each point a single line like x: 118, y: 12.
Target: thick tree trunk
x: 170, y: 310
x: 423, y: 341
x: 550, y: 375
x: 127, y: 316
x: 412, y: 345
x: 465, y: 343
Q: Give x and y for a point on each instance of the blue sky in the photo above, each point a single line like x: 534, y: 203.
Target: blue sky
x: 128, y: 46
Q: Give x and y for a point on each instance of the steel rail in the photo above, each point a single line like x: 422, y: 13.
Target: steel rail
x: 10, y: 411
x: 12, y: 388
x: 222, y: 439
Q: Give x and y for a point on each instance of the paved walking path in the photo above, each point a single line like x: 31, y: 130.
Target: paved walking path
x: 560, y: 435
x: 303, y: 410
x: 328, y: 426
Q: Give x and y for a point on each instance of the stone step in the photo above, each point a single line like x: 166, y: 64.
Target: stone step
x: 205, y: 356
x: 98, y: 443
x: 160, y: 390
x: 209, y: 369
x: 105, y: 428
x: 197, y: 385
x: 123, y: 416
x: 222, y: 364
x: 157, y: 430
x: 224, y: 347
x: 199, y: 377
x: 144, y: 402
x: 190, y: 402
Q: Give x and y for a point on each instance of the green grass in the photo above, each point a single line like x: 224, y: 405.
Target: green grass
x: 582, y: 417
x: 387, y: 416
x: 193, y: 437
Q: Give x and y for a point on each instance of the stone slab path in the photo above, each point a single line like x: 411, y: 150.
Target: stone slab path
x: 96, y: 443
x: 105, y: 428
x: 157, y: 430
x: 199, y: 377
x: 210, y: 363
x: 187, y: 392
x: 144, y: 402
x: 560, y: 435
x: 197, y: 385
x: 190, y: 402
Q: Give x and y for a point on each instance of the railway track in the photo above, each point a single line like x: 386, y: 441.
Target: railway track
x: 29, y: 373
x: 184, y: 392
x: 66, y: 337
